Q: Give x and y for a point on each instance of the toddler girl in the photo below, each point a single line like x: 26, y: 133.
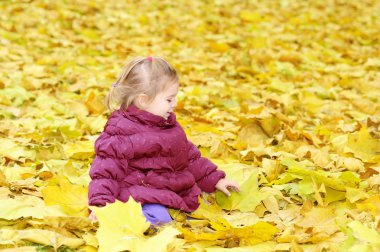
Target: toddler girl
x: 143, y: 152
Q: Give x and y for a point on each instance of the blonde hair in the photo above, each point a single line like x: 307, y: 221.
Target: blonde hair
x: 141, y: 75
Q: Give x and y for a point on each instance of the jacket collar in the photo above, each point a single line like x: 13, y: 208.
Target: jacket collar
x: 138, y: 115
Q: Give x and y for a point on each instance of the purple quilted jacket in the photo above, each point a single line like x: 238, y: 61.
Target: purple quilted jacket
x: 149, y: 158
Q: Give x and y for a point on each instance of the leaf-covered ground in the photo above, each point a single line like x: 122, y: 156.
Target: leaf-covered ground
x: 283, y: 95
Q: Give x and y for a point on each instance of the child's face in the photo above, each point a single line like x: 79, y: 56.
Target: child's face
x: 164, y: 102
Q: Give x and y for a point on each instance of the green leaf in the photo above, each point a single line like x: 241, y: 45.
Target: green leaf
x: 27, y: 206
x: 247, y: 199
x: 363, y: 233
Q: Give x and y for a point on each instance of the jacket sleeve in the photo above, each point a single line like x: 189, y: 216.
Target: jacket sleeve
x: 107, y: 169
x: 204, y: 171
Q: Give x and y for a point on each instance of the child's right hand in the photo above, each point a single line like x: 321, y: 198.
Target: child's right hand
x: 225, y: 185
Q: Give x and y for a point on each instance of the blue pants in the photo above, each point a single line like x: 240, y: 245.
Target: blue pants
x: 156, y: 213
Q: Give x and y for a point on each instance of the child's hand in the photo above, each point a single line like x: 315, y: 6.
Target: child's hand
x: 225, y: 184
x: 92, y: 217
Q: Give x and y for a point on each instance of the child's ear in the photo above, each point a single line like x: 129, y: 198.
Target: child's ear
x: 142, y: 100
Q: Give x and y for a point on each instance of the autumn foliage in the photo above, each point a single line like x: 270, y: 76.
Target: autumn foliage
x: 283, y: 95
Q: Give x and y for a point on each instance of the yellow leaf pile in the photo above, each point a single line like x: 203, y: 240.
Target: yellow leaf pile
x: 283, y: 95
x: 122, y: 227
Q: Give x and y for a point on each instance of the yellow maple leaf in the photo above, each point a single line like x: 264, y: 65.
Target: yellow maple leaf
x: 79, y: 150
x: 27, y: 206
x: 320, y: 219
x: 15, y: 151
x: 364, y: 146
x: 206, y: 210
x: 94, y: 103
x: 260, y: 247
x: 371, y: 204
x: 355, y: 194
x: 250, y: 16
x: 249, y: 235
x: 48, y: 237
x: 122, y: 227
x: 250, y: 135
x: 219, y: 46
x: 72, y: 198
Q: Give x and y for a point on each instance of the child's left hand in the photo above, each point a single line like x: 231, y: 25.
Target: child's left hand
x: 92, y: 217
x: 224, y: 185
